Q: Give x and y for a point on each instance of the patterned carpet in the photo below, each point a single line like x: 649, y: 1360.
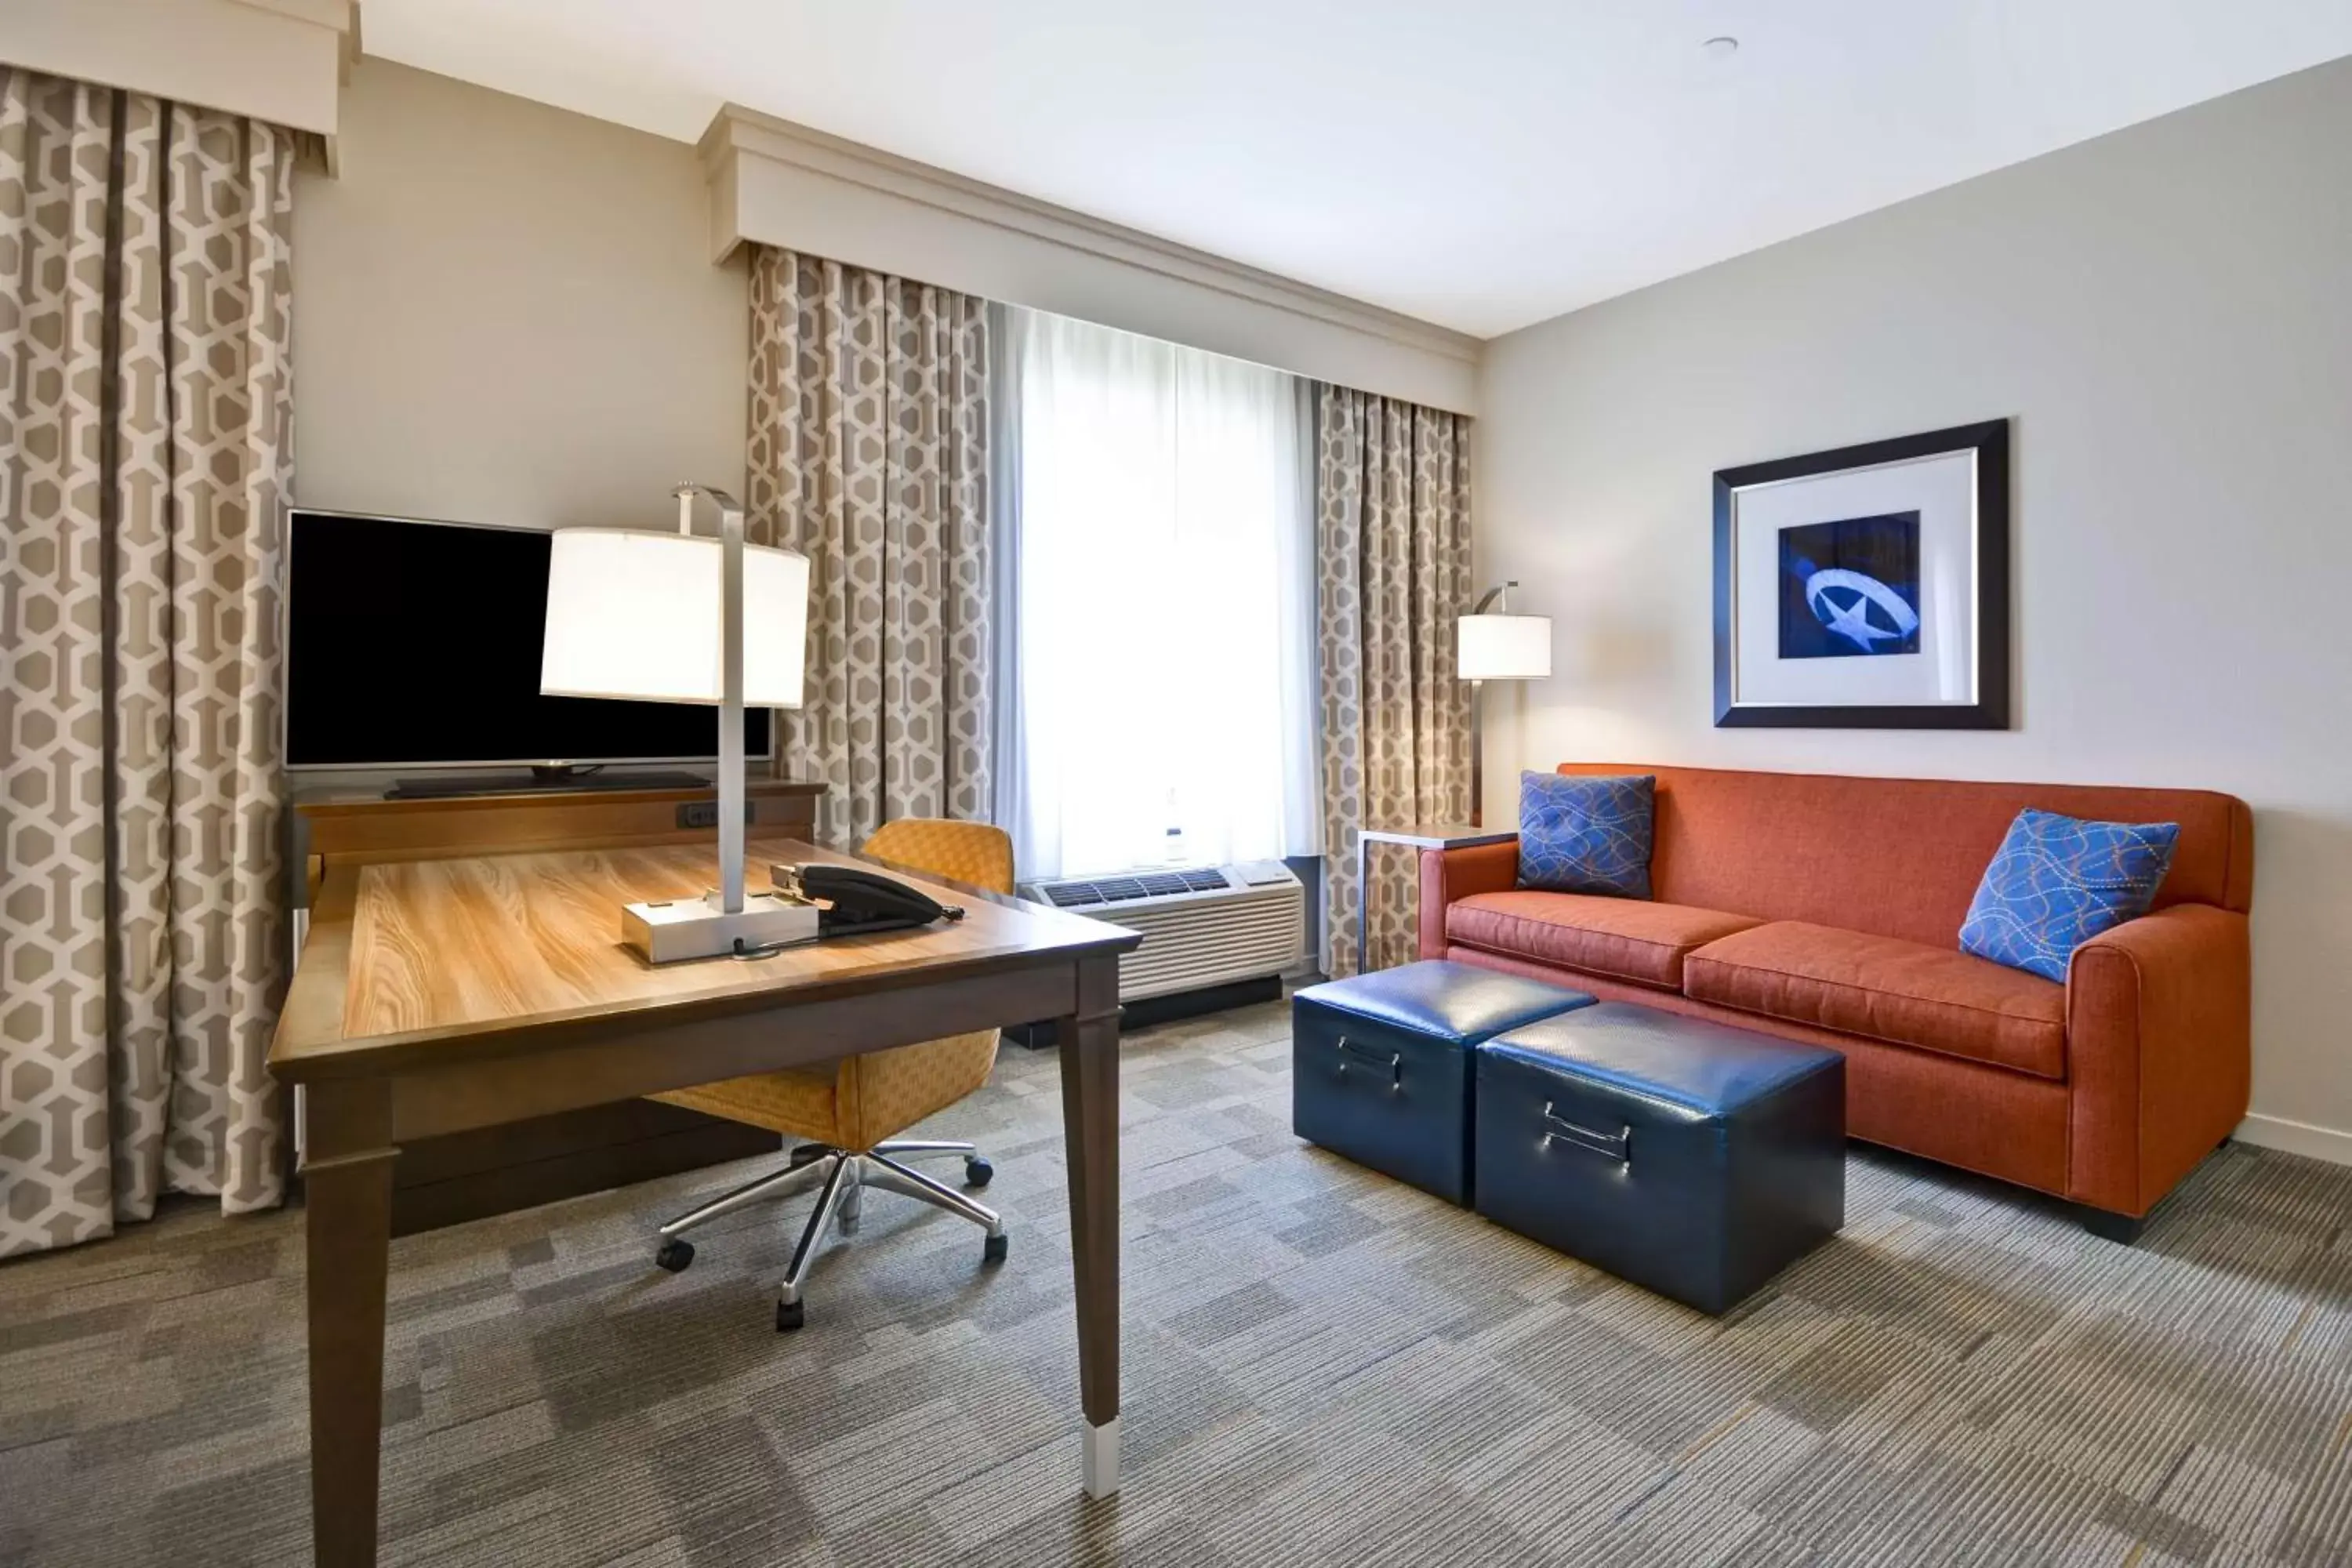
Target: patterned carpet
x: 1322, y: 1367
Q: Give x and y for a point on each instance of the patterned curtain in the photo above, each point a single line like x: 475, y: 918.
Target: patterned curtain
x: 144, y: 421
x: 870, y: 455
x: 1393, y: 544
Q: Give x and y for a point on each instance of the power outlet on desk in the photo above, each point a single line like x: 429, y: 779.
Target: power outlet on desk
x: 705, y: 814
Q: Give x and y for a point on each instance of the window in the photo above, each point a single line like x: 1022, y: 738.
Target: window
x: 1156, y: 653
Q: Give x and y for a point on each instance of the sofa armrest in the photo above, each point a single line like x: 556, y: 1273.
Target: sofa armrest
x: 2158, y: 1052
x: 1449, y: 874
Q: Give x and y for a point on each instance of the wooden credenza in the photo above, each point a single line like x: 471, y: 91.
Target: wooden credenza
x: 466, y: 1175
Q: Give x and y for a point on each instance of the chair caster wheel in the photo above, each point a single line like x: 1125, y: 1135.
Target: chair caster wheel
x: 977, y: 1172
x: 789, y: 1316
x: 992, y: 1250
x: 675, y: 1255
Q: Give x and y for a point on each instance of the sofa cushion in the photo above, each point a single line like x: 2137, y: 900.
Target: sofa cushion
x: 2057, y: 881
x: 1887, y: 989
x: 1626, y: 939
x: 1585, y: 834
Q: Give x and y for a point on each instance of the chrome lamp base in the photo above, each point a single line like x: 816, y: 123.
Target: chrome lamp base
x: 699, y: 928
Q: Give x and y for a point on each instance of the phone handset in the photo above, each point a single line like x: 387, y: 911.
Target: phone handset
x: 855, y: 900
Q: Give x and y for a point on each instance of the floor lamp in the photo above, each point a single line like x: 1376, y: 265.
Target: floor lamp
x: 1497, y: 647
x: 674, y: 617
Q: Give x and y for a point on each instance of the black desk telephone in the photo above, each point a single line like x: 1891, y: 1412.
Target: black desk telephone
x: 857, y: 900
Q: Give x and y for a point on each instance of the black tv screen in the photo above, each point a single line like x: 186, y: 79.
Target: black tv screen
x: 413, y: 644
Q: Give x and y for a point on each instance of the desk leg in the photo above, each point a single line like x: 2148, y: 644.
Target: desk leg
x: 347, y: 1192
x: 1090, y: 1126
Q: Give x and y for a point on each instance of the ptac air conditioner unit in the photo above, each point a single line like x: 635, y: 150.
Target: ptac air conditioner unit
x: 1205, y: 927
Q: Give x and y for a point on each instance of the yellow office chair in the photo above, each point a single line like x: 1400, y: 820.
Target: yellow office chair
x: 851, y: 1109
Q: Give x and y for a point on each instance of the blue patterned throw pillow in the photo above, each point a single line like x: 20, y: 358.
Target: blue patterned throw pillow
x: 2057, y: 881
x: 1585, y: 834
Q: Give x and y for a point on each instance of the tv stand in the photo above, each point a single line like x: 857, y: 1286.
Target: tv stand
x: 539, y: 781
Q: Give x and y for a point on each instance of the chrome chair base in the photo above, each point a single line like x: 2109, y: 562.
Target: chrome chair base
x: 842, y: 1179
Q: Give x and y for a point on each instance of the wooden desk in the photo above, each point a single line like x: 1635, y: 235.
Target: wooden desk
x: 467, y: 1175
x: 438, y: 997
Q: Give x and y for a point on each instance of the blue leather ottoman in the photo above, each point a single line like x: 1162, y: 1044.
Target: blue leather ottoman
x: 1381, y: 1063
x: 1693, y: 1159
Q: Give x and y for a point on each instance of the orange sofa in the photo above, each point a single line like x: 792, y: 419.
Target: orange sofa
x: 1828, y: 910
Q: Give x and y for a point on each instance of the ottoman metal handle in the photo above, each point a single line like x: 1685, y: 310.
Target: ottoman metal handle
x: 1394, y: 1063
x: 1617, y: 1146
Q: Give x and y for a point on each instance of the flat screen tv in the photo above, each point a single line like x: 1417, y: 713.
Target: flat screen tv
x: 412, y: 644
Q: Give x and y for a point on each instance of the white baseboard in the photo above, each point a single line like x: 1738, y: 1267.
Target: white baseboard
x: 2296, y: 1138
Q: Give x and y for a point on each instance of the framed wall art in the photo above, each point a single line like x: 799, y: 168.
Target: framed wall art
x: 1867, y: 587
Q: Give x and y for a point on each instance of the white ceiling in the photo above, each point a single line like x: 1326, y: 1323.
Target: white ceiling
x: 1479, y: 163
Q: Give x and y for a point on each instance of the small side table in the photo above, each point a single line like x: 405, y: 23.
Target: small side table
x: 1421, y: 835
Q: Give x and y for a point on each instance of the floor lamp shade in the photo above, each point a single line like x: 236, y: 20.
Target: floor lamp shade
x: 1503, y: 647
x: 634, y: 615
x: 1495, y: 648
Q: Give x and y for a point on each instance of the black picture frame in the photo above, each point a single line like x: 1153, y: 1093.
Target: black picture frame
x: 1989, y: 440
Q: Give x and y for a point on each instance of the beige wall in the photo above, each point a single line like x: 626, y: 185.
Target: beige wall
x: 505, y: 313
x: 2166, y: 313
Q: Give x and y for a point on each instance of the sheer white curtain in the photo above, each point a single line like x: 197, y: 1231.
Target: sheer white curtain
x: 1158, y: 592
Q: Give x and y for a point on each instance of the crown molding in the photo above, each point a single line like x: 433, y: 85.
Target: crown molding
x: 340, y: 15
x: 284, y: 61
x: 737, y: 132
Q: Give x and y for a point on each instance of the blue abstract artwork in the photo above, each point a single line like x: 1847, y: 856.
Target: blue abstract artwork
x: 1851, y: 588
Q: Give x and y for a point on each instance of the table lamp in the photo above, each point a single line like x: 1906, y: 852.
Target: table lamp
x: 676, y: 618
x: 1498, y: 647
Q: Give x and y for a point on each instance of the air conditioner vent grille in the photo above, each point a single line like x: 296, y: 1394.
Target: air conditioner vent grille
x: 1126, y: 890
x: 1201, y: 926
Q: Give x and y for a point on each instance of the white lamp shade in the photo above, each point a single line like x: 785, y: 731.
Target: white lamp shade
x: 636, y: 615
x: 1503, y: 647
